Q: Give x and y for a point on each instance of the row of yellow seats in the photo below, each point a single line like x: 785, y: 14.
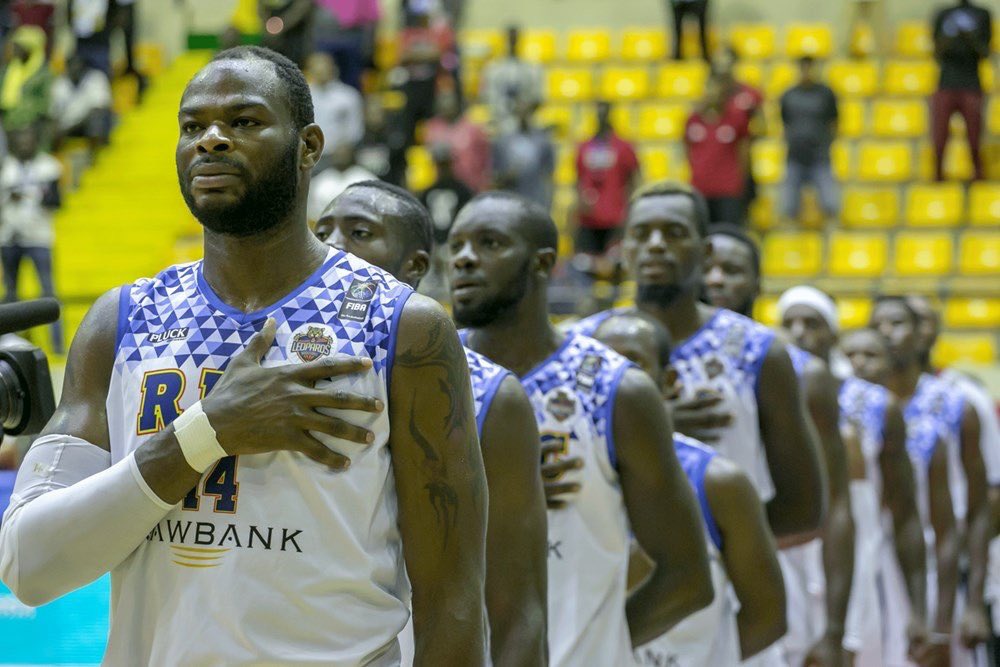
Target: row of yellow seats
x: 686, y: 80
x: 958, y: 312
x: 800, y: 254
x: 753, y: 41
x: 924, y: 204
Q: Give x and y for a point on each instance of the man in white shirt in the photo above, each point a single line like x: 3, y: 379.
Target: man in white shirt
x: 340, y: 110
x: 81, y: 103
x: 329, y: 183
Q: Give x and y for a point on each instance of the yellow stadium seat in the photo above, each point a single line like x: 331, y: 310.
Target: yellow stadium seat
x: 867, y: 206
x: 643, y: 44
x: 763, y: 210
x: 993, y: 122
x: 972, y: 312
x: 682, y: 80
x: 622, y: 119
x: 557, y: 117
x: 909, y: 77
x: 420, y: 170
x: 840, y: 159
x: 979, y: 253
x: 923, y: 253
x: 899, y: 118
x: 538, y: 45
x: 625, y: 83
x: 987, y: 76
x: 792, y: 254
x: 782, y: 76
x: 914, y: 39
x: 808, y: 39
x: 588, y: 46
x: 765, y: 311
x: 570, y: 84
x: 885, y: 161
x: 957, y: 161
x: 768, y: 161
x: 483, y: 44
x: 968, y: 348
x: 854, y: 255
x: 854, y: 312
x: 851, y: 124
x: 662, y: 121
x: 984, y: 203
x: 853, y: 77
x: 565, y: 166
x: 934, y: 204
x: 749, y: 72
x: 753, y: 41
x: 996, y: 36
x: 659, y: 162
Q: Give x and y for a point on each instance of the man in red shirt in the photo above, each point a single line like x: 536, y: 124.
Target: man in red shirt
x: 469, y: 144
x: 717, y: 142
x: 607, y: 171
x: 744, y: 99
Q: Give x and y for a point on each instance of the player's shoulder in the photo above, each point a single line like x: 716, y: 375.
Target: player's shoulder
x: 362, y: 279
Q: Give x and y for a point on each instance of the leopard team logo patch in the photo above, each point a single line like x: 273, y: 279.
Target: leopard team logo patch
x: 561, y: 405
x: 311, y: 344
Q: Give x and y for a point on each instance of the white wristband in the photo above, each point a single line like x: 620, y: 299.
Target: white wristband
x: 197, y: 439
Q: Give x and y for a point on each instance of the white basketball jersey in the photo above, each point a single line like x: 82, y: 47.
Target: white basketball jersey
x: 272, y: 559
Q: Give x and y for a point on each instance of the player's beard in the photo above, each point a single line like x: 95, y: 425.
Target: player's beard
x: 265, y: 205
x: 504, y: 303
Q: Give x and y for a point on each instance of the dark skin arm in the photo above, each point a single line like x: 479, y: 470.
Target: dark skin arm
x: 799, y: 502
x: 749, y: 554
x: 822, y: 396
x: 516, y: 538
x: 975, y: 626
x: 662, y: 511
x: 899, y: 495
x: 441, y: 486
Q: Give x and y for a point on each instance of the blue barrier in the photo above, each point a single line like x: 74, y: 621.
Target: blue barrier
x: 72, y: 630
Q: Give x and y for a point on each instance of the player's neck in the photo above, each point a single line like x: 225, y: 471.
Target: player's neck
x: 903, y: 381
x: 519, y: 342
x: 682, y: 318
x: 251, y: 273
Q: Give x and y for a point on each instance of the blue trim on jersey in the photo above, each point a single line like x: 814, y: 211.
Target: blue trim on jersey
x: 696, y: 476
x: 488, y: 397
x: 124, y: 301
x: 610, y: 414
x: 544, y: 362
x: 243, y: 318
x: 390, y: 355
x: 704, y: 327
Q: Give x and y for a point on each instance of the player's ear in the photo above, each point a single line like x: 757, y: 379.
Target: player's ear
x: 312, y: 141
x: 417, y: 267
x: 707, y: 247
x: 545, y: 260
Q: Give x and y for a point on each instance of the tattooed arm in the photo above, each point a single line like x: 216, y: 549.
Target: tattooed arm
x: 441, y: 487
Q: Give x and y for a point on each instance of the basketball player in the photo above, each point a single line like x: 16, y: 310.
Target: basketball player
x: 742, y: 553
x: 740, y: 393
x: 869, y: 354
x: 189, y: 455
x: 594, y: 405
x: 388, y: 227
x: 886, y: 477
x: 816, y: 570
x: 926, y: 397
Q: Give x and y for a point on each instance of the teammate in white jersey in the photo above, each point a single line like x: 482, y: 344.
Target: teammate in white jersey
x: 748, y: 612
x: 389, y: 227
x: 869, y: 355
x: 502, y: 250
x: 885, y: 478
x: 231, y: 535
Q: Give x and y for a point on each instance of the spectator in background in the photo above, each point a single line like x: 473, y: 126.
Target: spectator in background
x: 287, y: 27
x: 29, y: 194
x: 510, y: 83
x: 717, y: 141
x: 746, y: 102
x: 39, y: 13
x: 81, y: 104
x: 697, y: 9
x: 346, y: 30
x: 343, y: 171
x: 383, y: 149
x: 91, y: 22
x: 607, y: 171
x: 524, y: 160
x: 340, y: 110
x: 444, y: 199
x: 25, y: 89
x: 962, y: 35
x: 427, y: 53
x: 470, y: 147
x: 125, y: 18
x: 809, y: 114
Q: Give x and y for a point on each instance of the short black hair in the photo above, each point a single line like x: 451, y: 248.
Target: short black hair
x: 806, y: 60
x: 538, y: 223
x: 300, y: 100
x: 738, y: 233
x: 664, y: 343
x: 417, y: 223
x: 667, y: 187
x: 901, y: 300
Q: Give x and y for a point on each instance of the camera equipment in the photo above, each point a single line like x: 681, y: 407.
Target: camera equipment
x: 26, y: 398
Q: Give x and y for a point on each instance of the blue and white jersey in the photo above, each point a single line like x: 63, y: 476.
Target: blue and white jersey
x: 486, y: 380
x: 272, y: 557
x: 864, y: 404
x: 800, y: 359
x: 935, y: 404
x: 694, y: 457
x: 573, y: 393
x: 724, y: 355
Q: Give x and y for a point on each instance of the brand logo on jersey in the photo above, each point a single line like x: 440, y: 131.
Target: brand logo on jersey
x: 169, y: 335
x: 311, y: 344
x: 561, y: 405
x: 358, y: 300
x: 589, y: 368
x: 204, y: 543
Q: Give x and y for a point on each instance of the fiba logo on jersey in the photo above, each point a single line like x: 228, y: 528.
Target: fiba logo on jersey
x: 311, y: 344
x: 358, y: 300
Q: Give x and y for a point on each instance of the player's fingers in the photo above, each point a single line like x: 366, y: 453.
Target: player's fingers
x: 322, y: 454
x: 341, y: 400
x: 555, y: 503
x: 329, y: 367
x: 557, y: 468
x: 551, y: 448
x: 338, y: 428
x: 258, y: 345
x: 561, y: 489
